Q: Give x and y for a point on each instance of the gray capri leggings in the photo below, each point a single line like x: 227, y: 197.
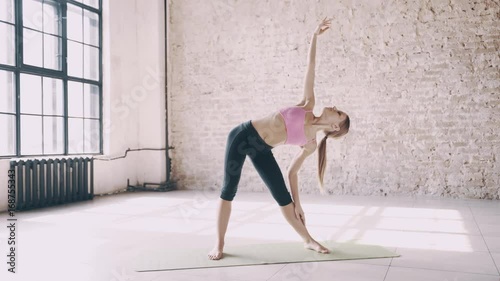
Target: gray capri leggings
x: 244, y: 140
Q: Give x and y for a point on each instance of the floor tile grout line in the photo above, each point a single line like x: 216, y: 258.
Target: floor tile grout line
x: 497, y: 265
x: 277, y: 271
x: 445, y: 270
x: 390, y: 264
x: 387, y: 271
x: 484, y: 240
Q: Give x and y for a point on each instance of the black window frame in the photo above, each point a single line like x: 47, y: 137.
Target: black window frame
x: 21, y: 68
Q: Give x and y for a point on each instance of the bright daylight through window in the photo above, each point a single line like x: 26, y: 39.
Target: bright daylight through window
x: 50, y: 77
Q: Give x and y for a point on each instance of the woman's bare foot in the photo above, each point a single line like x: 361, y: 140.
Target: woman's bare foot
x: 315, y: 246
x: 216, y: 253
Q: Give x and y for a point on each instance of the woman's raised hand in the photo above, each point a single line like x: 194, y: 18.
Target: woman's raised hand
x: 323, y: 26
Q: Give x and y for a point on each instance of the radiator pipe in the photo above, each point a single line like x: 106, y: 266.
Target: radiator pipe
x: 167, y: 159
x: 168, y: 184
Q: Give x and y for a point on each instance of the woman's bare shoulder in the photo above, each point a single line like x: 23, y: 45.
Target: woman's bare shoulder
x: 307, y: 105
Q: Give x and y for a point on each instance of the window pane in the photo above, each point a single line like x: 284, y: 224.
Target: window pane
x: 75, y: 99
x: 93, y: 3
x: 75, y: 59
x: 91, y: 63
x: 7, y: 134
x: 75, y: 135
x: 32, y: 46
x: 31, y: 135
x: 7, y: 10
x: 7, y: 92
x: 51, y: 17
x: 7, y: 44
x: 53, y: 96
x: 91, y: 101
x: 53, y: 135
x: 92, y: 136
x: 31, y: 94
x: 91, y: 28
x: 51, y: 52
x: 75, y: 23
x: 33, y: 14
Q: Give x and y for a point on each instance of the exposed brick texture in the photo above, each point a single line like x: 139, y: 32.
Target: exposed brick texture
x: 419, y: 79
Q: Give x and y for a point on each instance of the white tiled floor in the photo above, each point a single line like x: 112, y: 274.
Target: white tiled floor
x: 438, y: 239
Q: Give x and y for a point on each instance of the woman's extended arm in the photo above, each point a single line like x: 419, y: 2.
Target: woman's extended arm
x: 293, y: 178
x: 311, y: 62
x: 310, y: 73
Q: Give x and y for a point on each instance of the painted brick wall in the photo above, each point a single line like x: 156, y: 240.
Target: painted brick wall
x: 419, y: 79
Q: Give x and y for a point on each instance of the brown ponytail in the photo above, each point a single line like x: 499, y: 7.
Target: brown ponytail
x: 344, y: 128
x: 322, y: 162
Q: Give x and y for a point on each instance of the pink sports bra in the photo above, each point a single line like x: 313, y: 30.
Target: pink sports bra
x: 294, y: 124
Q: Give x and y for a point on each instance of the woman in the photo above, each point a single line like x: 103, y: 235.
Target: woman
x: 294, y: 125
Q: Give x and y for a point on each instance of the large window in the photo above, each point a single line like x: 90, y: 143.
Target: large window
x: 50, y: 77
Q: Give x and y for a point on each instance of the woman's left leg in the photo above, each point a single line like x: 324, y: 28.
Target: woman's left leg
x: 288, y: 212
x: 269, y: 171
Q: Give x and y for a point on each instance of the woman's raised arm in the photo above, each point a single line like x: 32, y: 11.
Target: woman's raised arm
x: 311, y: 62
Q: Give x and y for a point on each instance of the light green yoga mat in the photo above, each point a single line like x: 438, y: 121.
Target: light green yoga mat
x: 255, y: 254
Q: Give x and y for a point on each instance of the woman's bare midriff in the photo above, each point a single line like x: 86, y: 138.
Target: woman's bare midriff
x: 271, y: 129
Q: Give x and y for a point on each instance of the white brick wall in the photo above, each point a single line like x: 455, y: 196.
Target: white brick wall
x: 419, y: 79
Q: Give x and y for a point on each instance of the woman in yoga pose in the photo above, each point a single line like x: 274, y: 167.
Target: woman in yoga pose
x: 294, y: 125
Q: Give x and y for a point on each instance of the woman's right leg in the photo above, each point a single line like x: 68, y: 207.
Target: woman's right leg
x: 233, y: 163
x: 223, y: 214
